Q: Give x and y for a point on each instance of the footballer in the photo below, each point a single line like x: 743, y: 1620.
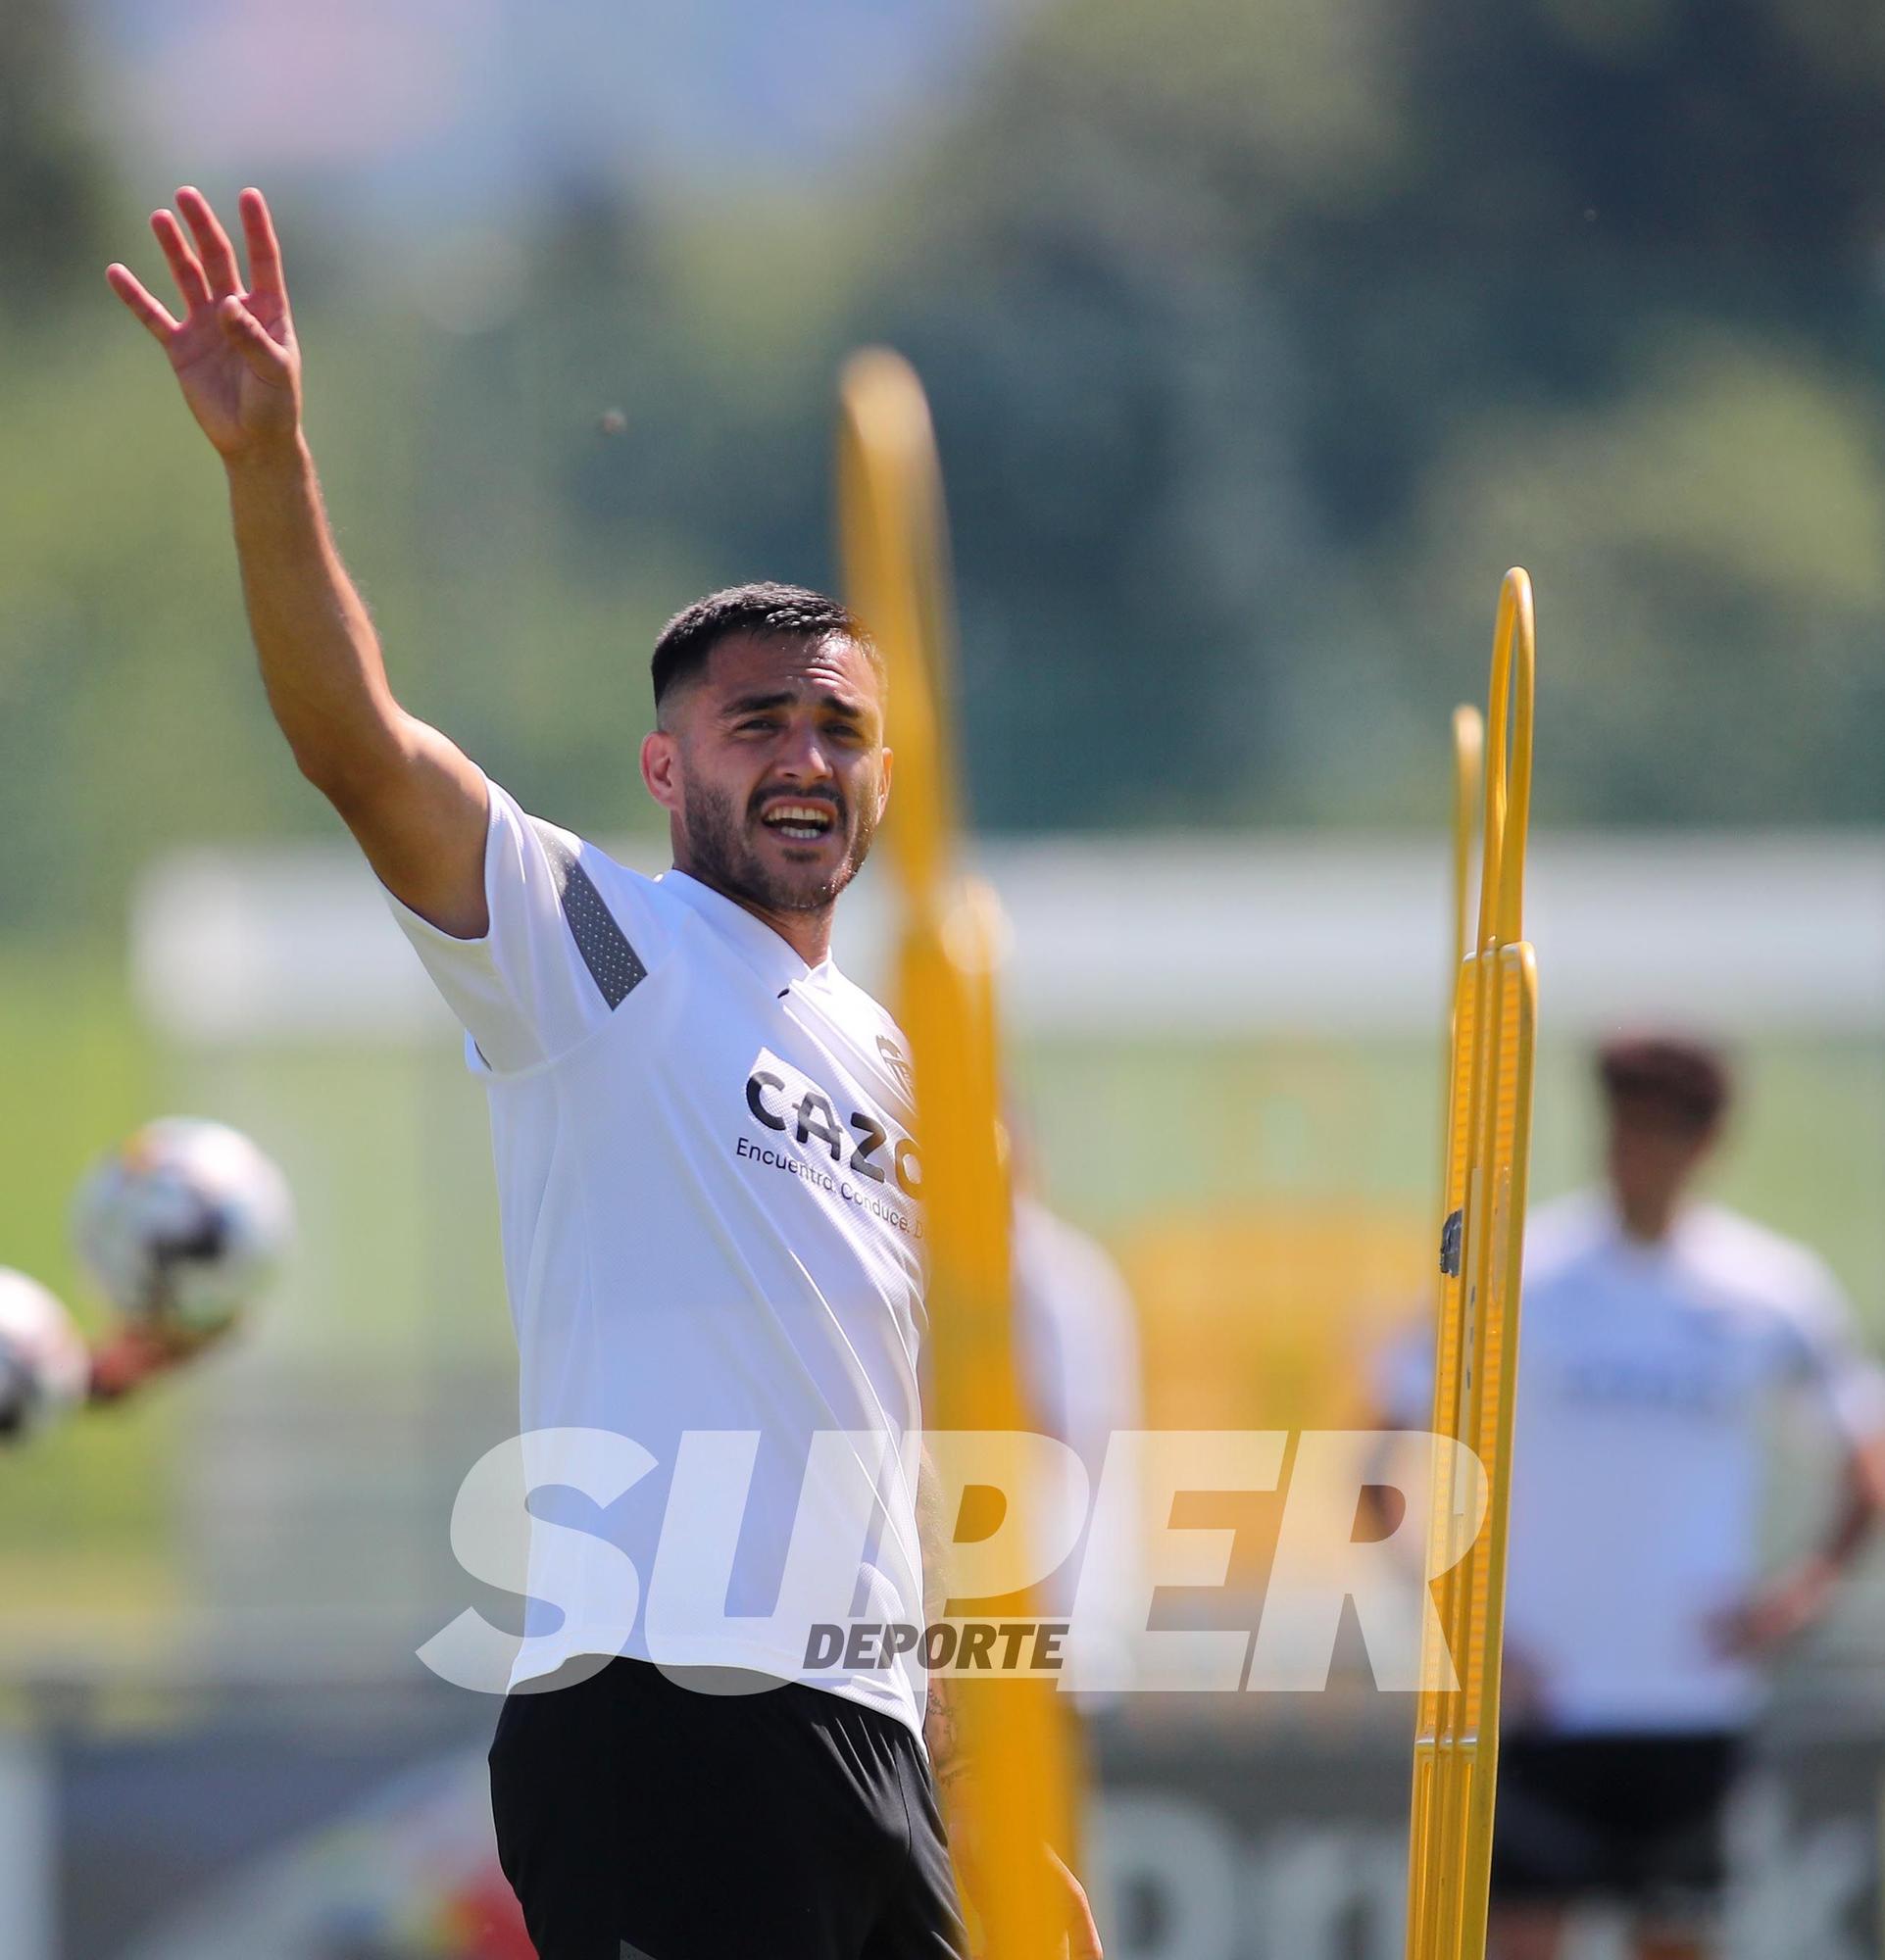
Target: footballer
x: 710, y: 1185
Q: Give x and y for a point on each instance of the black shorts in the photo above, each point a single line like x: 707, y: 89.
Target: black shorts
x: 1636, y: 1819
x: 641, y: 1820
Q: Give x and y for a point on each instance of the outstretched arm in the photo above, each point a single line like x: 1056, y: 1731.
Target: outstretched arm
x: 132, y: 1353
x: 410, y: 798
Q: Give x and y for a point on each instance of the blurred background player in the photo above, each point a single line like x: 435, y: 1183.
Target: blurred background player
x: 1658, y: 1332
x: 48, y: 1368
x: 180, y: 1228
x: 1076, y: 1336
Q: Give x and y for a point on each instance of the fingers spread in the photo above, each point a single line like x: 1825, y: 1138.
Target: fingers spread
x: 264, y: 254
x: 130, y: 288
x: 211, y: 242
x: 182, y: 262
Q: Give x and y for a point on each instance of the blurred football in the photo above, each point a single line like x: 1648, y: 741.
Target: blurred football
x: 184, y: 1223
x: 44, y: 1365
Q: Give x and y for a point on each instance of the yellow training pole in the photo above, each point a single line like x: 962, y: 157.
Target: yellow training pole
x: 1019, y: 1796
x: 1468, y: 732
x: 1468, y: 768
x: 1476, y: 1339
x: 1468, y: 757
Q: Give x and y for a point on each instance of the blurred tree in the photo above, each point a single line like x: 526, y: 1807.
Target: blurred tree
x: 52, y: 177
x: 1711, y: 540
x: 1261, y: 339
x: 1744, y: 128
x: 1215, y: 299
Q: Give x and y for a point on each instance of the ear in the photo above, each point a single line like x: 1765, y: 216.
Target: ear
x: 883, y: 785
x: 660, y: 769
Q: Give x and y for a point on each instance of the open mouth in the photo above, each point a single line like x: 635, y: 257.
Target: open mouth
x: 801, y: 822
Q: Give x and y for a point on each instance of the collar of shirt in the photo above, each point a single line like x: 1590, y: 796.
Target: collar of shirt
x: 769, y: 954
x: 1646, y: 1255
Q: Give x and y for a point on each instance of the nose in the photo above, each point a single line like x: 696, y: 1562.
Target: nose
x: 801, y: 758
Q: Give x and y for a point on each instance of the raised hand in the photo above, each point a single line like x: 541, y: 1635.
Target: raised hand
x: 233, y: 352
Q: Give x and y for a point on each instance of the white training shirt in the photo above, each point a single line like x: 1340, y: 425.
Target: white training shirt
x: 708, y: 1187
x: 1644, y: 1374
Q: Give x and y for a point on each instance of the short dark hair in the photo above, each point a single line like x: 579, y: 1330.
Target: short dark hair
x: 1685, y: 1074
x: 765, y: 610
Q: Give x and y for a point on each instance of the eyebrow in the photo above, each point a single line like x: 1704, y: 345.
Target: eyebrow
x: 754, y: 704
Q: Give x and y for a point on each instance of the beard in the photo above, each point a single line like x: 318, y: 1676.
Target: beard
x: 723, y: 839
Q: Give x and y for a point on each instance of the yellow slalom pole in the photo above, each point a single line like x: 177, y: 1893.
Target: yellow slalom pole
x: 1021, y: 1795
x: 1469, y: 756
x: 1468, y: 732
x: 1495, y: 1011
x: 1468, y: 768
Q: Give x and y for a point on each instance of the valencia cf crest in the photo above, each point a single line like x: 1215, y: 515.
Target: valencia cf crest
x: 898, y: 1064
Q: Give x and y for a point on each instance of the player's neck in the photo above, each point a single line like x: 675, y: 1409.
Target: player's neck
x: 807, y: 932
x: 1645, y: 1224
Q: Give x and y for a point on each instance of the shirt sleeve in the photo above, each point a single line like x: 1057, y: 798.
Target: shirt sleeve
x: 556, y: 960
x: 1823, y: 1356
x: 1078, y: 1333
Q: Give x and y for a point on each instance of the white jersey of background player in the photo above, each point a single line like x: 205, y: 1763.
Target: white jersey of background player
x: 1652, y: 1350
x: 1639, y: 1475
